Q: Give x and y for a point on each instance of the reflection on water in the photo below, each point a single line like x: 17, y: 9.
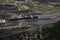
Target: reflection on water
x: 26, y: 22
x: 36, y: 22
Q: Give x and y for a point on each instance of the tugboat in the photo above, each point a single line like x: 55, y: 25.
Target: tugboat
x: 23, y: 17
x: 27, y: 16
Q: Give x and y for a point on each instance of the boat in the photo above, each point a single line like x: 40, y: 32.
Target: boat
x: 27, y: 16
x: 20, y: 17
x: 3, y: 21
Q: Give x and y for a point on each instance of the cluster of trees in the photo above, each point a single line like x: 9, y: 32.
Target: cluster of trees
x: 52, y: 32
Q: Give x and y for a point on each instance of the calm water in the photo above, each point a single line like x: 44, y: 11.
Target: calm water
x: 32, y: 23
x: 42, y: 20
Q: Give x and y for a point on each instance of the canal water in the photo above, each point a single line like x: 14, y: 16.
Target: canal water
x: 42, y: 20
x: 15, y: 27
x: 34, y: 23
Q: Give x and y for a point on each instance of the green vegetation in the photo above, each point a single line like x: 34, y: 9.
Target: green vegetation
x: 52, y: 31
x: 48, y: 10
x: 45, y: 9
x: 33, y: 6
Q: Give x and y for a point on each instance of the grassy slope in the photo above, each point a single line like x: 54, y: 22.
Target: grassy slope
x: 43, y: 9
x: 47, y: 9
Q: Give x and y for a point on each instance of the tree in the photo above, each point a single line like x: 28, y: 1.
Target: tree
x: 53, y: 33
